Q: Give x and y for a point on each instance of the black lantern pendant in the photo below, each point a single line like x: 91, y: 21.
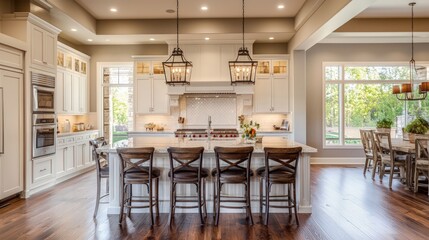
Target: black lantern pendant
x: 243, y: 69
x: 177, y: 69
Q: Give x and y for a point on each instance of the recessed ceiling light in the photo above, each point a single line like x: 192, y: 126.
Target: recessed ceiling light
x: 271, y: 38
x: 281, y: 6
x: 73, y: 29
x: 152, y: 39
x: 204, y: 8
x: 107, y: 40
x: 113, y: 10
x: 90, y: 40
x: 207, y: 38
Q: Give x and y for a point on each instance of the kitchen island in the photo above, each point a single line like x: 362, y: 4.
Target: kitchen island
x: 161, y: 161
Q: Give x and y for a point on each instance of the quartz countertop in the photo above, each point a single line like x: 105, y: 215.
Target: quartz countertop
x: 162, y: 143
x: 76, y: 133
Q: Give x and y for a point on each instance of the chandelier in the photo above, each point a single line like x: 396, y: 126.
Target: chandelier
x: 406, y: 91
x: 243, y: 69
x: 177, y: 69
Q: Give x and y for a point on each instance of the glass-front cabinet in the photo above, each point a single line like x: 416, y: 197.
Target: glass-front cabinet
x: 272, y: 67
x: 149, y: 68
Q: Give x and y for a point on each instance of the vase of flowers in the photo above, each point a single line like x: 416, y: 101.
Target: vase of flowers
x: 249, y: 131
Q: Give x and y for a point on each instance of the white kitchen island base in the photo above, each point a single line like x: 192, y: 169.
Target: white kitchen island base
x: 161, y: 161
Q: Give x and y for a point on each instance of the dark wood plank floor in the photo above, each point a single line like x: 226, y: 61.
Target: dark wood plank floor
x: 346, y: 205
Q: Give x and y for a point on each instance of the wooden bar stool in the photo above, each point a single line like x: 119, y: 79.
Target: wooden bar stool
x: 102, y: 167
x: 232, y: 173
x: 283, y: 172
x: 182, y: 172
x: 134, y: 172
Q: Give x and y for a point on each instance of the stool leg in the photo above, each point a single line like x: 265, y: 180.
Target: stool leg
x: 289, y: 200
x: 97, y: 200
x: 130, y: 198
x: 219, y: 186
x: 171, y: 203
x: 214, y: 198
x: 260, y: 196
x: 204, y: 198
x: 121, y: 213
x: 200, y: 211
x: 248, y: 201
x: 294, y: 204
x: 157, y: 196
x: 267, y: 201
x: 150, y: 201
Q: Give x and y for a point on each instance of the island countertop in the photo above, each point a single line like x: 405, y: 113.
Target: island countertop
x: 161, y: 144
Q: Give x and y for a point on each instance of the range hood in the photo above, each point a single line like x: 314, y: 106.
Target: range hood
x: 211, y: 87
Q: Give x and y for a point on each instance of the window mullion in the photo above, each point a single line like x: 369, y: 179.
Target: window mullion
x: 341, y: 102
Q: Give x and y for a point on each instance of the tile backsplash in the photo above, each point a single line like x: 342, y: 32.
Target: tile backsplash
x: 223, y: 109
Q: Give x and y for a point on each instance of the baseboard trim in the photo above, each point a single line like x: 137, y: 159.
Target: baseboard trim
x: 337, y: 161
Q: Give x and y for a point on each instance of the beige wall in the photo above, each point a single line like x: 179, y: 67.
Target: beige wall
x: 345, y: 52
x: 270, y: 48
x: 115, y: 53
x: 6, y: 6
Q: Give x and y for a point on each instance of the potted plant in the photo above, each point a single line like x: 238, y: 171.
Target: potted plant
x: 384, y: 125
x: 417, y: 126
x: 249, y: 131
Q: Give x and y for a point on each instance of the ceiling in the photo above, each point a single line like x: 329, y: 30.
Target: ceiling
x: 396, y: 9
x: 156, y: 9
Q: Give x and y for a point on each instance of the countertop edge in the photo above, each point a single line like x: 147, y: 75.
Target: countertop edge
x: 76, y: 133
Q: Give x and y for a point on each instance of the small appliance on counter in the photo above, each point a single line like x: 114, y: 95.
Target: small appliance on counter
x: 65, y: 126
x: 77, y: 127
x: 285, y: 125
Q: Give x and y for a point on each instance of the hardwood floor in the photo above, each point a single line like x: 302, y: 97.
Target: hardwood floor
x: 346, y: 205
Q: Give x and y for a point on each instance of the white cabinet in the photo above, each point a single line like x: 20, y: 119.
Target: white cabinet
x: 73, y: 154
x: 271, y: 87
x: 150, y: 88
x: 43, y: 48
x: 71, y: 90
x: 43, y: 169
x: 11, y: 132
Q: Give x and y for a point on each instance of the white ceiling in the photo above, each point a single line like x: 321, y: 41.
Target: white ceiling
x: 396, y: 9
x: 156, y: 9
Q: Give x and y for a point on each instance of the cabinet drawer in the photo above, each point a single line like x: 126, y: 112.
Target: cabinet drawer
x: 79, y: 138
x: 42, y: 169
x: 65, y: 141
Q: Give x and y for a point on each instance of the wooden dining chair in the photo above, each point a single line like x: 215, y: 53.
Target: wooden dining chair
x: 421, y: 166
x: 236, y: 170
x: 367, y: 138
x: 136, y: 168
x: 388, y: 157
x: 102, y: 167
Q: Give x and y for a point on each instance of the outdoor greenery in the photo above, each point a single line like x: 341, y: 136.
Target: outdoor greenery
x: 367, y: 98
x: 417, y: 126
x: 384, y: 123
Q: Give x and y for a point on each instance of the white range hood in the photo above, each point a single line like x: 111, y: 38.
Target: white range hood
x: 211, y: 87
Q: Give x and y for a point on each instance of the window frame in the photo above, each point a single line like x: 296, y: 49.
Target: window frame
x: 342, y: 83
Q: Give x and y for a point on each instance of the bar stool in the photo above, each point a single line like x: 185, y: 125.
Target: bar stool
x: 232, y: 173
x: 102, y: 169
x: 185, y: 173
x: 283, y: 172
x: 134, y: 172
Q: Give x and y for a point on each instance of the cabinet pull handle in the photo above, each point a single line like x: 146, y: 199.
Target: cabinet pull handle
x: 42, y: 170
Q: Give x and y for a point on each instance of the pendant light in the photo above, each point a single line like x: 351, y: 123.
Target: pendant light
x: 243, y: 69
x: 177, y: 69
x: 406, y: 90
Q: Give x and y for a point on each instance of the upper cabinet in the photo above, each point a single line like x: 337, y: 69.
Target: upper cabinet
x: 272, y: 85
x: 71, y: 91
x: 150, y: 88
x: 40, y: 36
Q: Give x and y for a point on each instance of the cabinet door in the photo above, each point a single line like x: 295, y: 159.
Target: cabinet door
x: 280, y: 95
x: 210, y: 63
x: 262, y: 95
x: 86, y: 154
x: 144, y: 96
x: 49, y: 49
x: 193, y: 54
x: 70, y: 161
x: 157, y: 70
x: 61, y: 161
x: 75, y: 95
x: 264, y: 68
x: 37, y: 46
x: 160, y: 97
x: 67, y: 92
x: 78, y: 155
x: 143, y: 68
x: 59, y: 92
x: 11, y: 157
x: 83, y: 94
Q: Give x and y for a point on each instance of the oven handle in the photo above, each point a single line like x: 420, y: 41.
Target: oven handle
x: 41, y: 126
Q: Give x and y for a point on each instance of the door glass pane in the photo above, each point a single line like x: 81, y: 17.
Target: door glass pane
x: 263, y: 67
x: 157, y: 68
x: 332, y: 114
x: 143, y: 67
x: 280, y: 67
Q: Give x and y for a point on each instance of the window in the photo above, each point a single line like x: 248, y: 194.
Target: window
x: 357, y: 95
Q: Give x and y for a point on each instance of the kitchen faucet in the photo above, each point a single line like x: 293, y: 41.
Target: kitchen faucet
x: 209, y: 128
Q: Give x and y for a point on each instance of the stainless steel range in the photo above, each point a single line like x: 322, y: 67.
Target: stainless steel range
x: 216, y: 133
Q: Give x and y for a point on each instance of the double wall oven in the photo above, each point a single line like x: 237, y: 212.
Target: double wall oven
x: 44, y: 118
